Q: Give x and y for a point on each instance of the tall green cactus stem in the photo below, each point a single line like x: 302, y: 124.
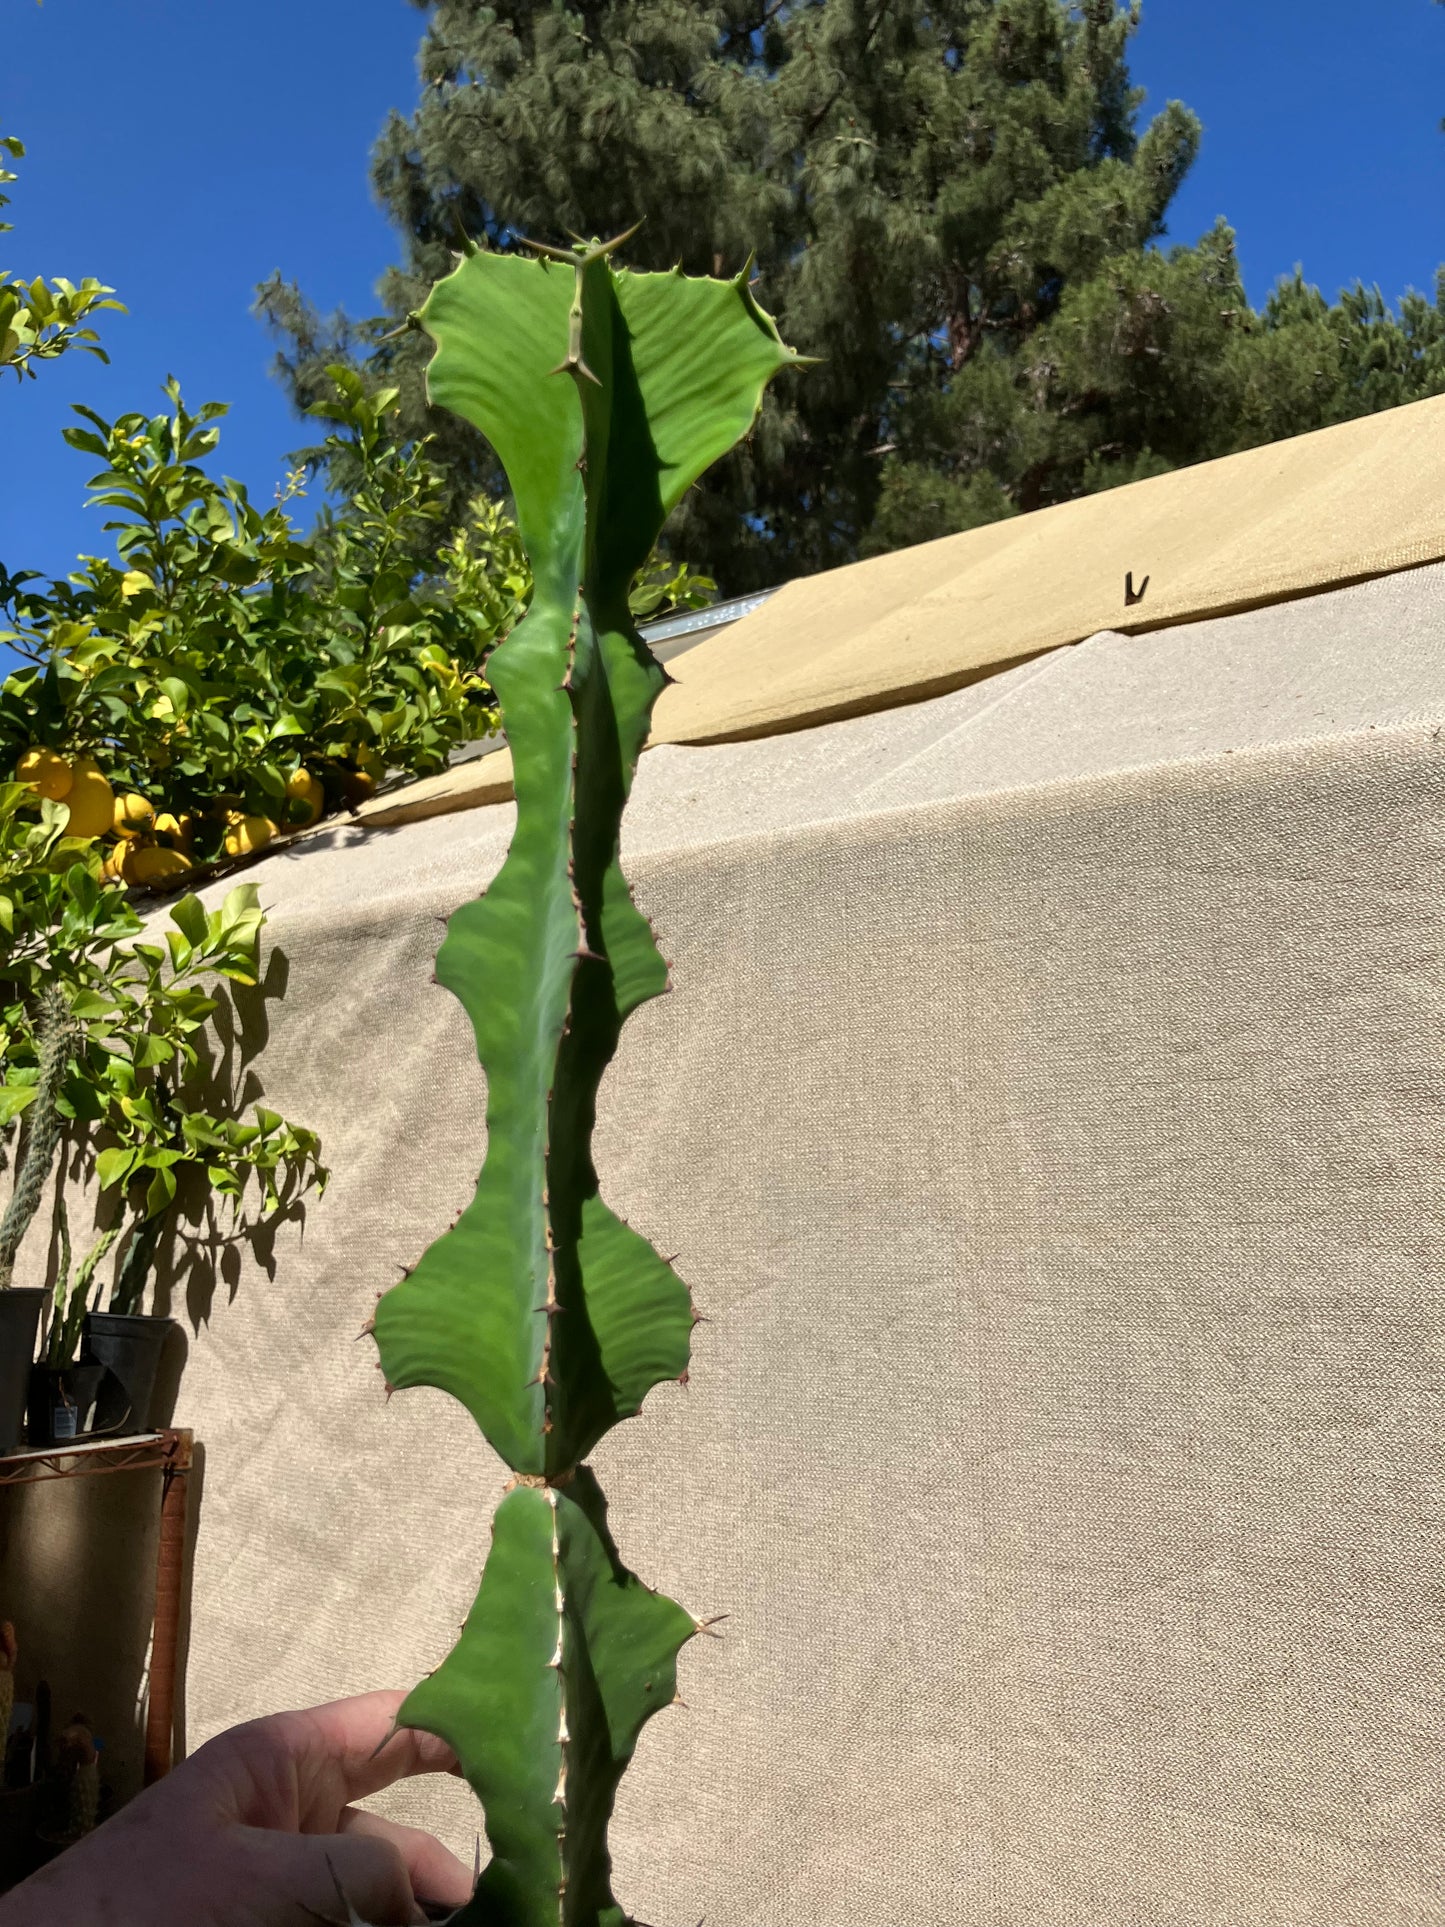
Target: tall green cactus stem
x: 605, y: 395
x: 54, y: 1035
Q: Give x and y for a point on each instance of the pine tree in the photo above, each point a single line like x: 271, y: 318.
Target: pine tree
x: 1303, y: 363
x: 922, y: 185
x: 951, y: 204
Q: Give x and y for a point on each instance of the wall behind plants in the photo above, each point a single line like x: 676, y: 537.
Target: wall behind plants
x: 1139, y: 1131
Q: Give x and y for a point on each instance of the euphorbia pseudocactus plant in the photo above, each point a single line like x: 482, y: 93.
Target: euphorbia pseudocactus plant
x: 605, y: 395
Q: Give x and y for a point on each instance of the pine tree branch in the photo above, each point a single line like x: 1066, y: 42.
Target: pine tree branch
x: 816, y: 120
x: 745, y: 30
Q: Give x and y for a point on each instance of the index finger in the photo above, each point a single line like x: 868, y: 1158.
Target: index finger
x: 298, y: 1771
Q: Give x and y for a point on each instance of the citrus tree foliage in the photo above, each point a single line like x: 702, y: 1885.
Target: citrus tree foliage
x: 41, y: 320
x: 140, y: 1101
x: 216, y: 652
x: 219, y: 655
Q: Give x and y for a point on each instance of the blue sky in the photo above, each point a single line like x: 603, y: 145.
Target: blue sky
x: 183, y: 149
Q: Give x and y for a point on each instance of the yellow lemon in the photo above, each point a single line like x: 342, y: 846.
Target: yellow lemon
x: 179, y: 830
x: 90, y: 799
x: 45, y: 772
x: 150, y: 864
x: 134, y: 815
x: 245, y: 835
x: 371, y: 763
x: 356, y: 787
x: 302, y: 787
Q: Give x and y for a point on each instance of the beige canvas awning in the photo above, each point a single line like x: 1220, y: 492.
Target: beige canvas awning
x: 1294, y: 518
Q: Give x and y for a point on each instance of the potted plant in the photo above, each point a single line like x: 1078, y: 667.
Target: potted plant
x: 162, y: 1109
x: 45, y: 875
x: 126, y: 1072
x: 227, y: 1152
x: 605, y: 396
x: 64, y: 1384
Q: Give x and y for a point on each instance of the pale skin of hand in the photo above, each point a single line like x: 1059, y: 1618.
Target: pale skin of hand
x: 255, y: 1830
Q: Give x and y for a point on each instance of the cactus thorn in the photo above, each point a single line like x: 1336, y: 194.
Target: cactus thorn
x: 706, y: 1625
x: 409, y: 324
x: 584, y: 253
x: 353, y: 1919
x: 384, y: 1742
x: 368, y: 1330
x: 682, y: 1378
x: 573, y: 364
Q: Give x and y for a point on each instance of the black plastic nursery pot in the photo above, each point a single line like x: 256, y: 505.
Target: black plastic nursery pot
x: 130, y: 1348
x: 19, y: 1322
x: 60, y: 1401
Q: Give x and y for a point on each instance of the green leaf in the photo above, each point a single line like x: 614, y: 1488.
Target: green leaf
x: 160, y: 1192
x: 83, y: 887
x: 14, y: 1098
x: 240, y: 907
x: 90, y: 1004
x: 114, y: 1166
x: 188, y: 914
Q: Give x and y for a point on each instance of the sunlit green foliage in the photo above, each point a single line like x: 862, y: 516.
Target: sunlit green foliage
x: 39, y: 319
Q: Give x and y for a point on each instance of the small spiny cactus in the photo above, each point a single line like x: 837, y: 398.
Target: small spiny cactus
x: 55, y: 1031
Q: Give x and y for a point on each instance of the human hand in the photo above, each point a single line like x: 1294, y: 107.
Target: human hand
x: 256, y: 1830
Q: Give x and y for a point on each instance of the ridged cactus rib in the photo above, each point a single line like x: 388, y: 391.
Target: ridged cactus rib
x: 605, y: 395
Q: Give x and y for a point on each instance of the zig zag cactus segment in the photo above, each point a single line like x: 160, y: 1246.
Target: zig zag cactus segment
x: 605, y: 395
x: 563, y: 1657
